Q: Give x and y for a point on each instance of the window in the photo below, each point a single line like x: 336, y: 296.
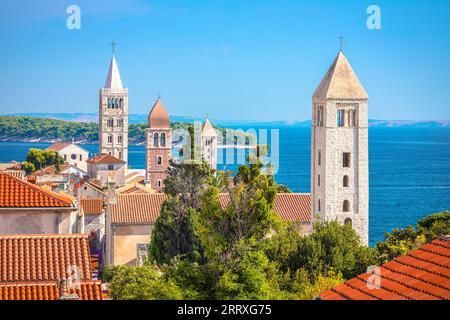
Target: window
x: 346, y: 206
x: 163, y: 139
x: 348, y: 221
x: 318, y: 204
x: 351, y: 118
x: 159, y: 160
x: 73, y: 156
x: 181, y: 152
x: 109, y: 103
x: 119, y: 139
x: 346, y: 158
x: 341, y: 117
x: 121, y: 103
x: 159, y: 183
x: 319, y: 158
x: 81, y: 157
x: 319, y: 116
x: 120, y: 122
x: 116, y: 103
x: 110, y: 123
x: 318, y: 180
x: 110, y: 167
x: 65, y: 157
x: 345, y: 182
x: 155, y: 139
x: 120, y: 155
x: 110, y: 138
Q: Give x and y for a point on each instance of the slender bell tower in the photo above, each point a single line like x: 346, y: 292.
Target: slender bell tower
x: 158, y: 146
x: 113, y: 114
x: 209, y: 144
x: 339, y: 159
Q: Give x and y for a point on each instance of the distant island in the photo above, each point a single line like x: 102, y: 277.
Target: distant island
x: 49, y: 129
x: 142, y: 118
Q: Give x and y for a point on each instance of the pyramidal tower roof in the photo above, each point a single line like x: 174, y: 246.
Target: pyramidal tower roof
x: 113, y: 79
x: 340, y: 82
x: 158, y: 117
x: 208, y: 129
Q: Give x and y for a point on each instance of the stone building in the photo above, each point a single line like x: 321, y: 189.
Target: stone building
x: 158, y: 146
x: 339, y: 159
x: 105, y: 169
x: 113, y: 115
x: 208, y: 144
x: 71, y: 153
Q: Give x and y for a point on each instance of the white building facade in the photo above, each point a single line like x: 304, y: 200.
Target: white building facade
x: 339, y: 159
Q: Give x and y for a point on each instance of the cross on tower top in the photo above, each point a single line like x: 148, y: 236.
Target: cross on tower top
x: 113, y: 45
x: 341, y: 42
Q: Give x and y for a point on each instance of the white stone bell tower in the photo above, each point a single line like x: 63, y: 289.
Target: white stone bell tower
x: 209, y: 144
x: 113, y: 115
x: 339, y: 159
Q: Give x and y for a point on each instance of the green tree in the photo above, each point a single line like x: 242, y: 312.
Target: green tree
x: 142, y: 283
x: 28, y: 167
x: 401, y: 241
x: 173, y: 234
x: 42, y: 158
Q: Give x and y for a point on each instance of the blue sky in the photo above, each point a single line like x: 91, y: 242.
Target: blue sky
x: 231, y: 59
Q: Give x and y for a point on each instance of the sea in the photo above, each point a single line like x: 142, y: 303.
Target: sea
x: 409, y: 169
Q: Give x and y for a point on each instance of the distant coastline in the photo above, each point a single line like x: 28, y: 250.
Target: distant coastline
x: 142, y: 118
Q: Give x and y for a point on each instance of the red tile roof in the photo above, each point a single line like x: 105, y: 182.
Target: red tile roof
x: 145, y: 208
x: 87, y: 290
x: 25, y: 258
x: 15, y: 193
x: 58, y: 146
x: 104, y: 158
x: 91, y: 205
x: 422, y: 274
x: 51, y: 169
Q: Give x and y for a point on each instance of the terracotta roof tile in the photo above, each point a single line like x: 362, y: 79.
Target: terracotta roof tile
x: 25, y: 258
x: 87, y: 290
x: 58, y: 146
x: 145, y: 208
x: 15, y: 193
x: 104, y: 158
x: 91, y: 205
x: 158, y: 117
x: 422, y: 274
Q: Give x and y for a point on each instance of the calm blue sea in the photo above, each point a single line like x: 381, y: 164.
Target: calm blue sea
x: 409, y: 170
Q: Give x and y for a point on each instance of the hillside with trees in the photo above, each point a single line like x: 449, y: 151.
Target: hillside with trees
x: 32, y: 129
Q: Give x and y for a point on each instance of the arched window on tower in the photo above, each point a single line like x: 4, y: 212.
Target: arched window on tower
x: 117, y: 103
x: 156, y: 139
x: 109, y: 103
x: 319, y: 158
x: 348, y: 221
x: 346, y: 206
x: 121, y: 103
x: 163, y: 139
x: 345, y: 182
x: 318, y: 205
x: 159, y: 160
x: 109, y: 122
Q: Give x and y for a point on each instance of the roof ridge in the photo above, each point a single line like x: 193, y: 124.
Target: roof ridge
x: 40, y: 190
